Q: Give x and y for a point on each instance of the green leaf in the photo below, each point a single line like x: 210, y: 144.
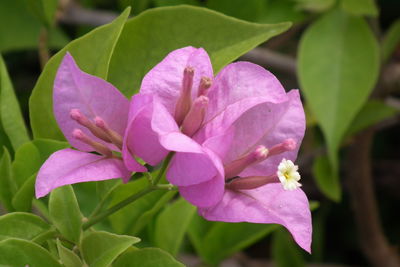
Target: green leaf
x: 373, y: 112
x: 22, y: 200
x: 92, y: 53
x: 134, y: 217
x: 223, y: 37
x: 171, y: 225
x: 102, y: 248
x: 281, y: 10
x: 44, y: 10
x: 360, y: 7
x: 47, y: 147
x: 285, y: 252
x: 11, y: 117
x: 214, y: 241
x: 327, y: 180
x: 15, y: 18
x: 391, y: 40
x: 67, y: 257
x: 65, y: 213
x: 250, y: 11
x: 315, y: 5
x: 337, y: 76
x: 6, y: 186
x: 26, y: 162
x: 147, y: 257
x: 21, y: 225
x: 19, y: 252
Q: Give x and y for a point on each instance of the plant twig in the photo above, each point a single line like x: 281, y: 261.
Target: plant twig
x: 44, y: 54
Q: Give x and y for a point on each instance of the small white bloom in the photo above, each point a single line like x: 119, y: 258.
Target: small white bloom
x: 288, y: 175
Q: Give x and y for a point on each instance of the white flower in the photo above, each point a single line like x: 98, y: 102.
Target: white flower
x: 288, y: 175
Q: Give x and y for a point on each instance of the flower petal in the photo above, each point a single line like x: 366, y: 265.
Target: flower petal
x: 192, y: 164
x: 75, y: 89
x: 267, y: 204
x: 70, y: 166
x: 140, y: 139
x: 290, y: 124
x: 239, y: 81
x: 165, y: 79
x: 205, y: 194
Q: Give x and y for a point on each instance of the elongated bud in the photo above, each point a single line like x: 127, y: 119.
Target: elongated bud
x: 195, y: 117
x: 100, y: 148
x: 77, y: 116
x: 113, y: 136
x: 237, y: 166
x: 205, y: 84
x: 287, y: 145
x: 185, y: 99
x: 251, y: 182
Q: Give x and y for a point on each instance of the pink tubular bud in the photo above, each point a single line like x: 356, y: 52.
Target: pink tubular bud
x: 237, y: 166
x: 251, y: 182
x: 184, y: 102
x: 195, y: 117
x: 100, y: 148
x: 113, y: 136
x: 77, y: 116
x: 287, y: 145
x: 205, y: 84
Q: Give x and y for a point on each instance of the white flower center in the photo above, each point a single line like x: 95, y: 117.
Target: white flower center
x: 288, y: 175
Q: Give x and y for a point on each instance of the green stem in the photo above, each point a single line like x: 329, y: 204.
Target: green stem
x: 39, y: 239
x: 163, y: 168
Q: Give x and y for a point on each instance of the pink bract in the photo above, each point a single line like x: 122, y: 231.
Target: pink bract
x: 247, y: 107
x: 80, y: 98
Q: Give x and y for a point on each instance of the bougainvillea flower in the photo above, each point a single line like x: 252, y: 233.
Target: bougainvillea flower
x: 229, y: 134
x: 92, y: 115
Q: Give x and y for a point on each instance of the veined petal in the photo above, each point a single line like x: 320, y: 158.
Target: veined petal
x: 239, y: 81
x: 140, y: 138
x: 92, y: 96
x: 165, y: 79
x: 70, y: 166
x: 290, y: 124
x: 205, y: 194
x: 267, y: 204
x: 192, y: 164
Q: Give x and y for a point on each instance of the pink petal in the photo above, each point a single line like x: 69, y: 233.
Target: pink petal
x: 140, y: 139
x: 206, y: 194
x: 290, y: 124
x: 165, y: 79
x: 75, y: 89
x: 192, y: 164
x: 70, y: 166
x: 266, y: 204
x: 241, y: 80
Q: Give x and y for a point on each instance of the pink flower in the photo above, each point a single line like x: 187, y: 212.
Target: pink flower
x: 229, y: 134
x: 92, y: 114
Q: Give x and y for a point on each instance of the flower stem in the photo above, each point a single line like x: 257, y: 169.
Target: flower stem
x: 163, y: 168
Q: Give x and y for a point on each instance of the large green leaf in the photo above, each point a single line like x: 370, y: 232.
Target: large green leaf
x: 149, y: 37
x: 68, y: 257
x: 285, y: 252
x: 215, y: 241
x: 391, y: 40
x: 19, y: 252
x: 19, y: 29
x: 171, y: 225
x: 92, y: 53
x: 337, y: 76
x: 26, y: 162
x: 100, y: 249
x: 21, y: 225
x: 65, y: 213
x: 7, y: 188
x: 360, y: 7
x: 134, y: 217
x: 22, y: 199
x: 11, y: 117
x: 147, y: 257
